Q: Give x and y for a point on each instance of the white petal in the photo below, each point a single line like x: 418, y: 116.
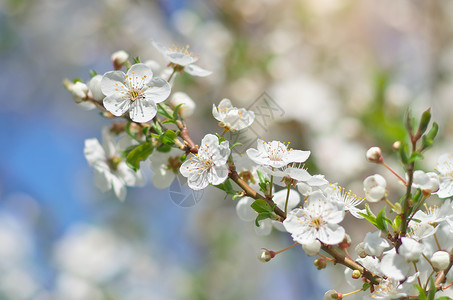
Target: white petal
x: 198, y: 181
x: 117, y: 104
x: 331, y: 234
x: 394, y: 266
x: 157, y: 90
x: 108, y: 142
x: 93, y: 151
x: 113, y: 82
x: 280, y: 199
x: 218, y: 174
x: 142, y: 71
x: 142, y: 110
x: 119, y: 188
x: 296, y: 156
x: 101, y: 180
x: 195, y: 70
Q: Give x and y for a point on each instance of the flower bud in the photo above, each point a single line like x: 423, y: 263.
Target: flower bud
x: 119, y: 58
x: 374, y: 187
x: 95, y: 88
x: 440, y: 260
x: 78, y: 90
x: 360, y: 250
x: 266, y: 255
x: 356, y: 274
x: 312, y: 248
x: 188, y: 106
x: 333, y: 294
x: 374, y: 154
x: 396, y: 145
x: 346, y: 242
x: 320, y: 263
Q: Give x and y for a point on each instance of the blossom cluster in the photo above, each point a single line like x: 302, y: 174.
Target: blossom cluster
x: 410, y: 253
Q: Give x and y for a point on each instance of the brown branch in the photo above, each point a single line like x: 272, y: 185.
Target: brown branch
x: 184, y: 134
x: 252, y: 193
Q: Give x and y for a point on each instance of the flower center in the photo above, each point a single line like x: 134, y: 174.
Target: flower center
x: 113, y: 162
x: 174, y: 163
x: 317, y: 222
x: 276, y: 152
x: 135, y: 94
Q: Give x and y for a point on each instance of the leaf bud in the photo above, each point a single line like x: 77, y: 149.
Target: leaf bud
x: 396, y: 145
x: 333, y: 294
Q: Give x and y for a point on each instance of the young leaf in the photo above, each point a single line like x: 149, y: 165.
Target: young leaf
x: 381, y: 221
x: 138, y: 154
x: 261, y: 206
x: 227, y: 187
x: 263, y: 216
x: 162, y: 111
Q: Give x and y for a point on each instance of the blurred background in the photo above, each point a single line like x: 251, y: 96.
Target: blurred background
x: 343, y: 73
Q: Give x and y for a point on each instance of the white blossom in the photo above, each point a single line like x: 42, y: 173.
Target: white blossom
x: 136, y: 92
x: 445, y: 170
x: 426, y: 181
x: 276, y: 154
x: 374, y: 187
x: 410, y: 249
x: 209, y: 165
x: 182, y: 57
x: 110, y: 170
x: 231, y: 117
x: 394, y: 265
x: 165, y: 166
x: 350, y: 200
x: 317, y: 220
x: 374, y: 244
x: 374, y: 154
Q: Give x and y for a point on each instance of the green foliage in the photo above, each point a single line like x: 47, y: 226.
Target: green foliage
x: 93, y: 73
x: 264, y: 210
x: 263, y: 182
x: 137, y: 60
x: 380, y: 221
x: 138, y: 154
x: 227, y: 187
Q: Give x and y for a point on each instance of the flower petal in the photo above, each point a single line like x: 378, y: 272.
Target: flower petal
x: 142, y: 110
x: 195, y: 70
x: 140, y: 72
x: 117, y: 104
x: 113, y: 82
x: 157, y: 90
x: 296, y: 156
x: 218, y: 174
x: 93, y: 151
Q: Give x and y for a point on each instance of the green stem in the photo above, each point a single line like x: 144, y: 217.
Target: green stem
x: 171, y: 76
x: 287, y: 198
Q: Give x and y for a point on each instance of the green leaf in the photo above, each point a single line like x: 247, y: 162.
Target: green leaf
x: 176, y: 110
x: 381, y: 221
x: 444, y: 298
x: 432, y: 289
x: 409, y: 123
x: 415, y: 156
x: 227, y: 187
x: 365, y: 286
x: 236, y: 144
x: 168, y: 137
x: 93, y: 73
x: 424, y: 121
x: 168, y: 121
x: 402, y: 151
x: 263, y: 216
x: 138, y: 154
x: 428, y: 139
x: 75, y: 80
x: 396, y: 224
x: 157, y: 127
x: 369, y: 215
x: 161, y: 110
x: 421, y: 291
x: 261, y: 206
x: 137, y: 60
x: 164, y: 148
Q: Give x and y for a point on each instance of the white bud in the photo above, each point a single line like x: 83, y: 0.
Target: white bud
x: 95, y: 88
x: 374, y: 187
x: 188, y: 106
x: 119, y: 58
x: 331, y: 294
x: 374, y: 154
x: 440, y: 260
x: 79, y: 91
x: 312, y: 248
